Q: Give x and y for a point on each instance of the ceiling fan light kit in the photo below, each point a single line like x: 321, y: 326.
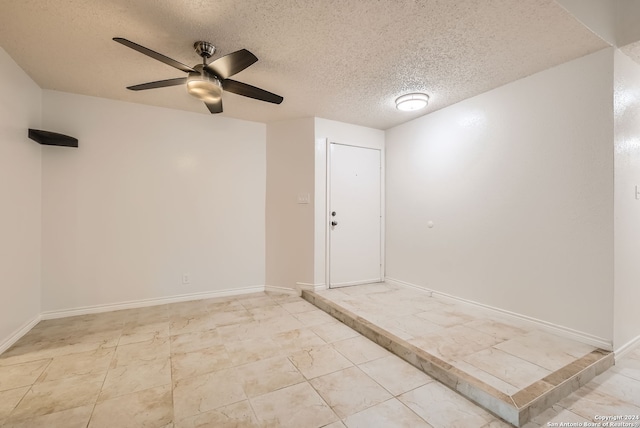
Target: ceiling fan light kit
x: 412, y: 102
x: 205, y: 81
x: 204, y: 86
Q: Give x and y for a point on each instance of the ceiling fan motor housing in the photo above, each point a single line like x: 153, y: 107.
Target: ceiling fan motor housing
x: 204, y: 49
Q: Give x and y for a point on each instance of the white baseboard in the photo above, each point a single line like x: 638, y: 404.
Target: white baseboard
x: 559, y: 330
x: 627, y: 347
x: 282, y: 290
x: 16, y: 335
x: 310, y: 287
x: 150, y: 302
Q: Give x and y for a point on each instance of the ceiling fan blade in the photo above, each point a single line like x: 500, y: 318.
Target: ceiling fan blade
x: 153, y: 54
x: 158, y: 84
x: 215, y: 107
x: 250, y: 91
x: 231, y: 64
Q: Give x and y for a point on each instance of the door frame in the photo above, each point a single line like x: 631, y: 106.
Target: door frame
x: 328, y: 210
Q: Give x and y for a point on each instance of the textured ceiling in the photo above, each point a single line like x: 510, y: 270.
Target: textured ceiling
x: 345, y: 60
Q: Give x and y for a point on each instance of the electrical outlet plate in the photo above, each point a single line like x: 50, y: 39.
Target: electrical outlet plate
x: 186, y: 279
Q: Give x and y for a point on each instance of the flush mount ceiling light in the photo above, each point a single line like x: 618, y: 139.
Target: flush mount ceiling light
x: 411, y: 102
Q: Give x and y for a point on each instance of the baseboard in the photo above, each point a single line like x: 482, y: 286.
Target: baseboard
x: 627, y: 347
x: 310, y: 287
x: 537, y: 323
x: 282, y: 290
x: 16, y: 335
x: 150, y: 302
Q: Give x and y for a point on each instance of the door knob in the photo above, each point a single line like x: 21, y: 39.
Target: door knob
x: 334, y: 223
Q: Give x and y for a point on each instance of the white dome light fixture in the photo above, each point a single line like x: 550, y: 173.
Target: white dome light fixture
x: 412, y: 102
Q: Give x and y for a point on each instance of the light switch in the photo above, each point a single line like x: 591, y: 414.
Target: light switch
x: 304, y: 198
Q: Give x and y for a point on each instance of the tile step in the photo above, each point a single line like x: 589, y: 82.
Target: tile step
x: 517, y: 409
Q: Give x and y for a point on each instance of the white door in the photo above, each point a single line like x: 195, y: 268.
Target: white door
x: 355, y: 255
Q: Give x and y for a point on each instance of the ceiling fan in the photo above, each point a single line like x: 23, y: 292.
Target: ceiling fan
x: 207, y: 81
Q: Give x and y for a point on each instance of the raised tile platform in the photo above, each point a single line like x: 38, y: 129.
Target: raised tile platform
x: 509, y: 368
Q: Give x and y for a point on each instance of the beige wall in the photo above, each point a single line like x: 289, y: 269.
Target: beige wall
x: 289, y: 224
x: 518, y: 183
x: 627, y: 202
x: 150, y: 194
x: 20, y: 191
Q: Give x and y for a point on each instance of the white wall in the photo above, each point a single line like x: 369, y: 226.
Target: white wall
x: 150, y: 194
x: 518, y: 182
x: 289, y: 233
x: 627, y: 203
x: 20, y: 190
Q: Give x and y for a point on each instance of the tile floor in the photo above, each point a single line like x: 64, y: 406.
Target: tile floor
x: 261, y: 360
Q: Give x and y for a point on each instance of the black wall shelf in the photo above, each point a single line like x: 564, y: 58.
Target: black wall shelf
x: 52, y: 139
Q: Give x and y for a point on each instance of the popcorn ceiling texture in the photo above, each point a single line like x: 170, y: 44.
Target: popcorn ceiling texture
x: 344, y: 60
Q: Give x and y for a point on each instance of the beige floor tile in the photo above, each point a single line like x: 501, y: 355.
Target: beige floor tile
x: 628, y: 366
x: 360, y: 349
x: 142, y: 352
x: 334, y: 331
x: 298, y: 307
x: 222, y: 318
x: 147, y: 408
x: 235, y: 415
x: 135, y: 332
x: 41, y: 351
x: 9, y: 399
x: 394, y: 374
x: 265, y: 312
x: 544, y: 349
x: 313, y: 318
x: 318, y: 361
x: 188, y: 342
x: 199, y: 362
x: 223, y: 304
x: 454, y: 343
x: 248, y: 351
x: 497, y: 329
x: 445, y: 317
x: 82, y: 363
x: 293, y: 407
x: 268, y: 375
x: 622, y: 387
x: 23, y: 374
x: 242, y: 331
x: 487, y: 378
x: 390, y: 414
x: 297, y: 340
x: 199, y: 394
x: 77, y: 417
x: 349, y: 391
x: 556, y: 414
x: 57, y: 395
x: 588, y: 401
x: 190, y: 322
x: 124, y: 380
x: 409, y: 326
x: 280, y: 324
x: 257, y: 301
x: 506, y: 367
x: 336, y: 424
x: 441, y: 407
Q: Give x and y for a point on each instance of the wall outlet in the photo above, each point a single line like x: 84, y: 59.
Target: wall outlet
x: 637, y: 192
x: 186, y: 279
